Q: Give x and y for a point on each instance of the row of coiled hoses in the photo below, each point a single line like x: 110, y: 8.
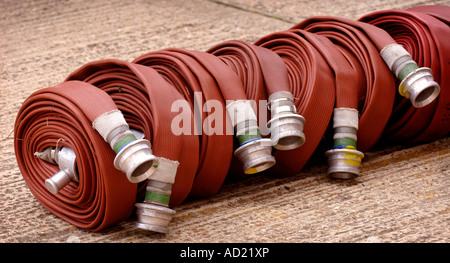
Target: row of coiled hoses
x: 146, y: 134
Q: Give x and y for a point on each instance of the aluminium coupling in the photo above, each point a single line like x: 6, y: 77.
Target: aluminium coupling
x: 65, y: 158
x: 416, y: 84
x: 344, y: 159
x: 153, y: 217
x: 286, y: 126
x: 420, y: 87
x: 133, y: 156
x: 136, y: 160
x: 344, y: 163
x: 256, y: 155
x: 154, y: 213
x: 254, y: 152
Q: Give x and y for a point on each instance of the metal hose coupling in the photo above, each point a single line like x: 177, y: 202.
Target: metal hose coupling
x: 256, y: 155
x: 416, y: 84
x: 344, y: 160
x: 286, y: 126
x: 65, y: 158
x: 133, y: 156
x: 154, y: 213
x: 254, y: 152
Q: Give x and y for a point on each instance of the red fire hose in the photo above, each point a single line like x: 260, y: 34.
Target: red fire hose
x: 117, y: 135
x: 312, y: 84
x: 146, y: 98
x: 265, y: 79
x: 424, y: 32
x: 63, y: 116
x: 362, y: 49
x: 190, y: 77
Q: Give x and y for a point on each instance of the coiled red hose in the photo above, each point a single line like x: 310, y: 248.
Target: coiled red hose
x: 424, y: 32
x: 194, y: 72
x: 145, y: 99
x: 360, y: 43
x: 325, y: 62
x: 262, y: 73
x: 63, y: 116
x: 312, y: 83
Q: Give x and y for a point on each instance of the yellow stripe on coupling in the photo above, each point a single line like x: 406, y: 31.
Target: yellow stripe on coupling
x: 251, y: 170
x: 353, y: 159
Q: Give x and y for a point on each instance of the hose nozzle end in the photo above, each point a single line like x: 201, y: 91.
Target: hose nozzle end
x: 65, y: 158
x: 136, y: 160
x: 344, y: 163
x: 153, y: 217
x: 256, y: 155
x: 59, y: 180
x: 420, y: 87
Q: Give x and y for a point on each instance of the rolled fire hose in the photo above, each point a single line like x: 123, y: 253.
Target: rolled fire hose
x: 63, y: 116
x: 347, y: 93
x: 184, y: 79
x: 425, y: 36
x: 375, y: 103
x: 60, y: 124
x: 378, y: 54
x: 358, y: 121
x: 146, y: 101
x: 204, y: 78
x: 312, y: 83
x: 265, y: 80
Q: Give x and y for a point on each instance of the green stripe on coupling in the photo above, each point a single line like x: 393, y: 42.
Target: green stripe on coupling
x: 250, y: 135
x: 344, y: 143
x: 157, y: 197
x: 406, y: 70
x: 124, y: 141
